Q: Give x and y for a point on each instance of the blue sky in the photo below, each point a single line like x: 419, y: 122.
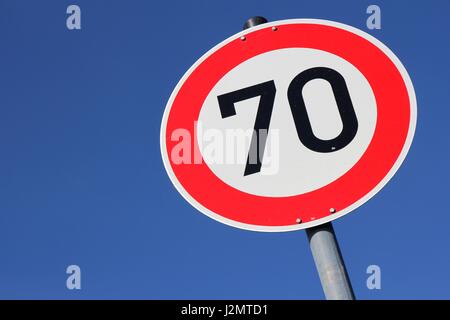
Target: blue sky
x: 82, y: 181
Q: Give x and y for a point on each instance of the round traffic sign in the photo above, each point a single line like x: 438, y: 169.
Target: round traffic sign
x: 288, y: 125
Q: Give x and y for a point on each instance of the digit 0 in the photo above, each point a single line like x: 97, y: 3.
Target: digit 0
x: 344, y: 104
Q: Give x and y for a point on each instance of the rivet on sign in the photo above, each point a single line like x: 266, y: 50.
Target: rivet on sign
x: 298, y: 220
x: 243, y: 38
x: 332, y: 210
x: 333, y: 148
x: 274, y: 28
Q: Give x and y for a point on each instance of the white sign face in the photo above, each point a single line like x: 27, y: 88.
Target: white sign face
x: 288, y: 167
x: 288, y: 125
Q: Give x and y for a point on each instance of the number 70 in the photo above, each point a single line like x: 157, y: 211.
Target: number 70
x: 267, y: 91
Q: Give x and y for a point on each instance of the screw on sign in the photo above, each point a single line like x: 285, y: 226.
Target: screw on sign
x: 288, y: 125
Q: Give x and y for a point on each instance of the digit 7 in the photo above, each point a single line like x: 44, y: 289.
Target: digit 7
x: 267, y: 92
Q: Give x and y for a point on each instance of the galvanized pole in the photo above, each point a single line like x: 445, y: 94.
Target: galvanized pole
x: 323, y: 243
x: 254, y: 21
x: 329, y: 263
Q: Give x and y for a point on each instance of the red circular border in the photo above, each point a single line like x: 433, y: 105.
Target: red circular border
x: 393, y: 120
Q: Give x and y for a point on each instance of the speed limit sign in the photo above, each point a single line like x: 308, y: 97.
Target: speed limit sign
x: 288, y: 125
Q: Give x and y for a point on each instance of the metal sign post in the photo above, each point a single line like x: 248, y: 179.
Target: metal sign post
x: 329, y: 263
x: 323, y: 243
